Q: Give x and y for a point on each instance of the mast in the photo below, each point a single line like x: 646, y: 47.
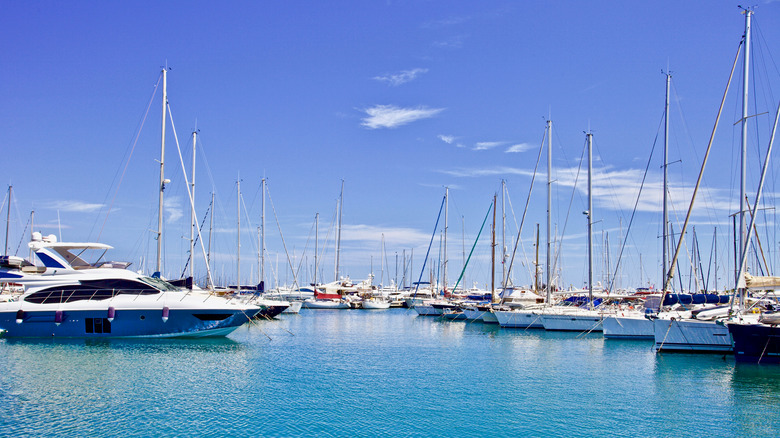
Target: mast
x: 262, y: 234
x: 493, y: 256
x: 238, y: 234
x: 463, y: 244
x: 162, y: 174
x: 338, y: 231
x: 209, y: 280
x: 193, y: 224
x: 549, y: 208
x: 665, y: 220
x: 589, y: 214
x: 503, y: 232
x: 316, y: 249
x: 536, y: 261
x: 446, y: 214
x: 743, y: 150
x: 8, y: 218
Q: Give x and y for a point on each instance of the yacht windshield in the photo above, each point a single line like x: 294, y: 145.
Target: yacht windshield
x: 159, y: 284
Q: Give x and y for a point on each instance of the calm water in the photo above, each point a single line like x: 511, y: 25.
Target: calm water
x: 390, y: 373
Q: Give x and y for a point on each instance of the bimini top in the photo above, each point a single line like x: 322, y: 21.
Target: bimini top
x: 68, y: 255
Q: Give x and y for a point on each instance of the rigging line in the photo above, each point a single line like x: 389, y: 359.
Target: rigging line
x: 670, y: 275
x: 425, y: 260
x: 473, y: 246
x: 568, y: 212
x: 24, y: 231
x: 633, y: 214
x: 284, y: 244
x: 707, y: 194
x: 522, y: 219
x: 189, y: 258
x: 127, y: 163
x: 190, y: 198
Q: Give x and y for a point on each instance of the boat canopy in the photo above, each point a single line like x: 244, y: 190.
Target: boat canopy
x: 757, y: 282
x: 672, y: 299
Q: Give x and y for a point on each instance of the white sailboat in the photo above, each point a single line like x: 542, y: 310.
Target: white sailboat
x: 694, y: 334
x: 634, y: 324
x: 575, y: 318
x: 524, y: 309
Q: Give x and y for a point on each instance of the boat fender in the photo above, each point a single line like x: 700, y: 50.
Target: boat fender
x: 165, y: 312
x: 58, y: 317
x: 20, y: 316
x: 111, y: 314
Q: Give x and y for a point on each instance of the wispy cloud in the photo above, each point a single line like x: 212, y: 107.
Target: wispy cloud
x: 449, y: 139
x: 393, y: 236
x: 402, y: 77
x: 391, y: 116
x: 173, y: 208
x: 485, y: 145
x: 520, y: 147
x: 474, y: 173
x: 76, y: 206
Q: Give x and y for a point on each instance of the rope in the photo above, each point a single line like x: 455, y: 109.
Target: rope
x: 633, y: 214
x: 435, y: 227
x: 127, y: 163
x: 473, y: 246
x: 522, y: 220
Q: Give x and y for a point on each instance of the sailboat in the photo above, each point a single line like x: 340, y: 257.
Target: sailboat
x: 584, y: 318
x: 633, y: 323
x: 524, y: 306
x: 708, y: 331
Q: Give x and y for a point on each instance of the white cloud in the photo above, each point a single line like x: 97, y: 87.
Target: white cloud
x: 472, y: 173
x: 485, y: 145
x: 173, y: 208
x: 76, y: 206
x: 449, y: 139
x: 520, y: 147
x: 390, y: 116
x: 402, y: 77
x: 393, y: 236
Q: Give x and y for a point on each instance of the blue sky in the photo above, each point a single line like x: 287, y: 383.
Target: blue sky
x: 398, y: 99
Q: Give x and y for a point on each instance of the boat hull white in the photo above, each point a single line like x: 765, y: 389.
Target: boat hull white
x: 628, y: 327
x: 691, y: 335
x: 518, y: 319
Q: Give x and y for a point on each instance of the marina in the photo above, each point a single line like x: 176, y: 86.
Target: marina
x: 410, y: 219
x: 386, y: 373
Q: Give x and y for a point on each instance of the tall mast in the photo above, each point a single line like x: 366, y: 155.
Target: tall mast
x: 238, y: 234
x: 446, y: 215
x: 316, y: 249
x: 262, y: 234
x: 743, y: 150
x: 463, y: 244
x: 503, y: 232
x: 193, y: 224
x: 493, y: 256
x: 8, y: 218
x: 162, y: 173
x: 549, y: 208
x: 209, y: 280
x: 589, y: 214
x: 665, y: 220
x: 338, y: 230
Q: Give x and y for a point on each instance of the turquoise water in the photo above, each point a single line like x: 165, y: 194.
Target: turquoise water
x: 387, y: 373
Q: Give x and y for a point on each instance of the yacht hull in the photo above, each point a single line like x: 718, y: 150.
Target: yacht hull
x: 518, y: 319
x: 691, y: 336
x: 628, y: 327
x: 756, y: 343
x: 126, y: 323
